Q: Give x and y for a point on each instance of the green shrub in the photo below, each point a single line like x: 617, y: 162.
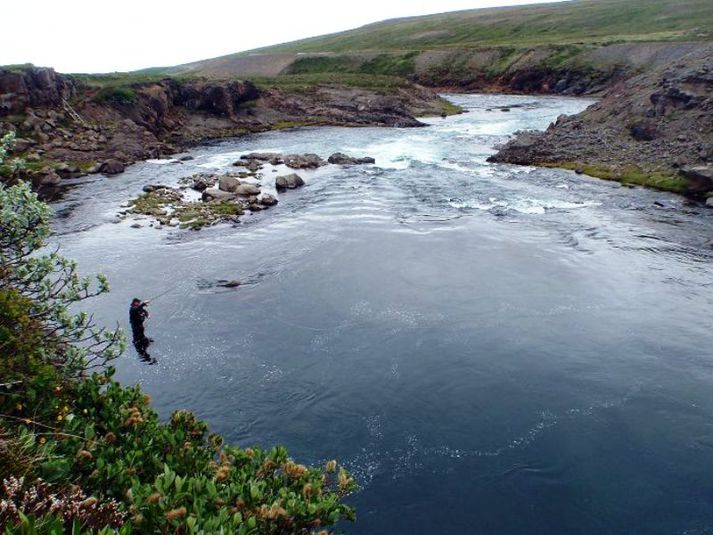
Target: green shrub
x: 117, y: 95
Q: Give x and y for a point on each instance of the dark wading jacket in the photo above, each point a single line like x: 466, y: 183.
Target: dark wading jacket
x: 137, y: 315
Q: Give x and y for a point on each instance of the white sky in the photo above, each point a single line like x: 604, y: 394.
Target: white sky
x: 121, y: 35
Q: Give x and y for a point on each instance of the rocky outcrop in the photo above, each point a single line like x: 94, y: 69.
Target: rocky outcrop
x: 654, y: 129
x: 31, y: 88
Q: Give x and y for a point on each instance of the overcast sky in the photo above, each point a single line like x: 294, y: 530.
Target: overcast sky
x: 121, y: 35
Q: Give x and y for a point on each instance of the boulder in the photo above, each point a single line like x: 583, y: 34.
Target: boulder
x: 340, y: 158
x: 709, y: 202
x: 272, y: 157
x: 250, y: 165
x: 228, y: 183
x: 22, y: 144
x: 214, y: 194
x: 49, y: 178
x: 700, y: 178
x: 268, y: 200
x: 200, y: 182
x: 150, y: 188
x: 112, y: 167
x: 643, y: 131
x: 186, y: 158
x: 66, y: 170
x: 247, y: 190
x: 291, y: 181
x: 304, y: 161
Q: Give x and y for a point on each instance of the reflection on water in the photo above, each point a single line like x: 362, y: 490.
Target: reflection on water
x: 490, y: 349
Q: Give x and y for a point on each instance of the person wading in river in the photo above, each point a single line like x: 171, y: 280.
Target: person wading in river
x: 138, y: 313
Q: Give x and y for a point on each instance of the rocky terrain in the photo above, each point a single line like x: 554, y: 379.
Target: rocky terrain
x: 655, y: 129
x: 66, y: 127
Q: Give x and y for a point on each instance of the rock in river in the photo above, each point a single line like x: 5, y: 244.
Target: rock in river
x: 247, y: 190
x: 228, y: 183
x: 340, y: 158
x: 214, y: 194
x: 112, y: 167
x: 289, y: 182
x: 267, y: 200
x: 304, y: 161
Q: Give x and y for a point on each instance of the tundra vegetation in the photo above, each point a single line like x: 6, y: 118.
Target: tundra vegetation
x: 80, y: 453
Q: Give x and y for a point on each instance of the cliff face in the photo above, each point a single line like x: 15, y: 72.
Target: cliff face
x: 657, y: 125
x: 66, y: 128
x: 32, y: 88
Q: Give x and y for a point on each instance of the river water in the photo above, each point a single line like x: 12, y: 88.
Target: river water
x: 488, y: 348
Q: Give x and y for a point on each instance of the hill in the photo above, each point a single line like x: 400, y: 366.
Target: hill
x: 580, y: 46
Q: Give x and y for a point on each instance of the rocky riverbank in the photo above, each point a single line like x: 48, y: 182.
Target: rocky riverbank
x: 66, y: 127
x: 655, y: 129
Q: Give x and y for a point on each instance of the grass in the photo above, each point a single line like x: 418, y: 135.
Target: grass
x: 309, y: 82
x: 18, y: 67
x: 581, y: 21
x: 196, y: 215
x: 152, y: 203
x: 661, y: 180
x: 190, y: 215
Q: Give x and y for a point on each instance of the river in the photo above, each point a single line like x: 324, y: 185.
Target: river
x: 488, y: 348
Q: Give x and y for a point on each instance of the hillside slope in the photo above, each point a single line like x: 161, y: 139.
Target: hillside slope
x: 575, y: 47
x: 573, y: 22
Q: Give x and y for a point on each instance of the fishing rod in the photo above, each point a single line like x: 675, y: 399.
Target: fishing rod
x: 151, y: 299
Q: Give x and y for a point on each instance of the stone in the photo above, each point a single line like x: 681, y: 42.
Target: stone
x: 186, y: 158
x: 272, y: 157
x: 247, y: 189
x: 112, y: 167
x: 228, y: 183
x: 291, y: 181
x: 149, y: 188
x: 268, y: 200
x: 22, y: 144
x: 700, y: 178
x: 49, y: 178
x: 200, y: 182
x: 214, y: 194
x: 340, y: 158
x: 304, y: 161
x: 709, y: 202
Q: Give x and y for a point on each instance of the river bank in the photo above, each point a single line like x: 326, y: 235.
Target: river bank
x: 68, y: 127
x: 654, y: 129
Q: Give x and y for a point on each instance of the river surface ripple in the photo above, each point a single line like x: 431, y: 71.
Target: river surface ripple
x: 488, y: 348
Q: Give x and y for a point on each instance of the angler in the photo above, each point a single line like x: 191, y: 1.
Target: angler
x: 138, y: 313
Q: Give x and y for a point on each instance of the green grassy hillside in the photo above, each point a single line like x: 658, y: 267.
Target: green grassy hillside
x: 597, y: 40
x: 577, y: 21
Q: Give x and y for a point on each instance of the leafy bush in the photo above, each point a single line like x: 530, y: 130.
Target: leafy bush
x: 80, y: 453
x: 117, y: 95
